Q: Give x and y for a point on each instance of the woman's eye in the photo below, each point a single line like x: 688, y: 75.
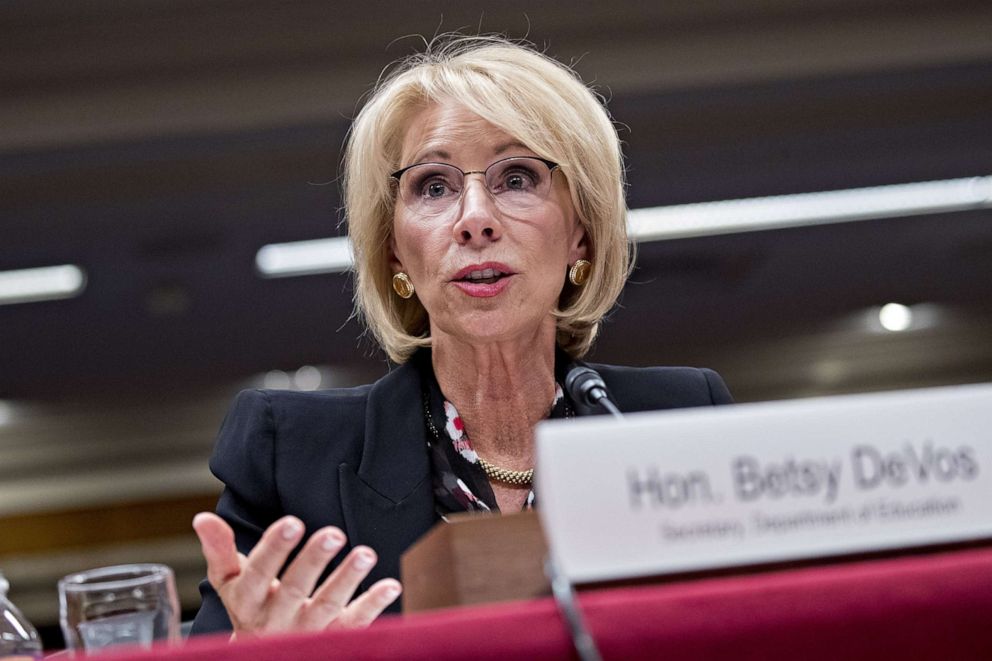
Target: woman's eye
x: 435, y: 189
x: 432, y: 186
x: 519, y: 180
x: 516, y: 182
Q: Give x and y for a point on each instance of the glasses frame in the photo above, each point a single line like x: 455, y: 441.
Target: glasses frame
x: 552, y: 166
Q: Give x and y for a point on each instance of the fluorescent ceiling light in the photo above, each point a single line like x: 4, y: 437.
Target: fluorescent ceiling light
x: 704, y: 219
x: 6, y: 413
x: 895, y: 317
x: 762, y: 213
x: 41, y: 284
x: 279, y: 260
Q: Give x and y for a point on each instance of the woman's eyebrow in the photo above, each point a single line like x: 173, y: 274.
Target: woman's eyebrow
x: 432, y: 155
x: 511, y: 145
x: 437, y: 154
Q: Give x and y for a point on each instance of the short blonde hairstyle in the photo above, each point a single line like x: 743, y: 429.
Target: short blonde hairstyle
x: 537, y: 100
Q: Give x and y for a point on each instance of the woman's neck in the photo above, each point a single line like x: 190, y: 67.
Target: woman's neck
x: 501, y: 390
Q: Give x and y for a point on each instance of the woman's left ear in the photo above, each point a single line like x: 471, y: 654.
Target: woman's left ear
x: 394, y: 262
x: 578, y: 246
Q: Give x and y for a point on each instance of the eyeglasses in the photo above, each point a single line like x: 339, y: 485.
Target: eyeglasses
x: 516, y: 184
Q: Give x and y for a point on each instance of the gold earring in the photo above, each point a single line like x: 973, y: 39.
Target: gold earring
x: 578, y: 275
x: 402, y: 285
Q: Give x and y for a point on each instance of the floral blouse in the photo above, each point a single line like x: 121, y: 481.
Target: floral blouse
x: 460, y: 483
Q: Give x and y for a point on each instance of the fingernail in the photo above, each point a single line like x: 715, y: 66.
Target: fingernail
x: 332, y: 542
x: 291, y: 529
x: 392, y: 593
x: 364, y: 560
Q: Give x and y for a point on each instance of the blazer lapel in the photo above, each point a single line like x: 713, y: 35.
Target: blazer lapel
x: 388, y: 500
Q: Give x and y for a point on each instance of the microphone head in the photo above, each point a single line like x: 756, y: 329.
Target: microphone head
x: 585, y: 385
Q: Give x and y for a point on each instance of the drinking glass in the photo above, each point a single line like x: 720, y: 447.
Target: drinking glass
x: 122, y: 605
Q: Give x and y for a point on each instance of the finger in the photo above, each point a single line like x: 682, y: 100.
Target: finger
x: 330, y: 599
x: 366, y: 607
x: 264, y: 561
x: 217, y: 542
x: 301, y: 576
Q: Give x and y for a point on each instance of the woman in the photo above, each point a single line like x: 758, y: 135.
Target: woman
x: 485, y: 202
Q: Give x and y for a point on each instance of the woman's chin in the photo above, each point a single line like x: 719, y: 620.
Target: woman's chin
x: 497, y: 326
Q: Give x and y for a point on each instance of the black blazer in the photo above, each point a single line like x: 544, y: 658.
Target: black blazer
x: 355, y: 458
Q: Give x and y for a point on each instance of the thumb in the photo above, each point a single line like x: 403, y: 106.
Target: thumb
x: 217, y: 542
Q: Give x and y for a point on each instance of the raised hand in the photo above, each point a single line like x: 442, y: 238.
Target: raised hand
x: 258, y: 601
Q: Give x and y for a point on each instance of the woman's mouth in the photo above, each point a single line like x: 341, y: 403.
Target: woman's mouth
x: 483, y: 280
x: 484, y: 276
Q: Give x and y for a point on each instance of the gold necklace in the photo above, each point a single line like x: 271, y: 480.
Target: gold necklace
x: 505, y: 475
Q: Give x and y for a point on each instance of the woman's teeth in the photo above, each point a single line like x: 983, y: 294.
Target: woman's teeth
x: 485, y: 276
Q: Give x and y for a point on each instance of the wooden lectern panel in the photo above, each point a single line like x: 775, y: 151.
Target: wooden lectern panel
x: 475, y: 558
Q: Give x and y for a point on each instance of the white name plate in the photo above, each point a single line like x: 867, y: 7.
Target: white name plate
x: 704, y: 488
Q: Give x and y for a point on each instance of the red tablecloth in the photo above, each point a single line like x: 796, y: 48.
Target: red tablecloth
x: 936, y: 606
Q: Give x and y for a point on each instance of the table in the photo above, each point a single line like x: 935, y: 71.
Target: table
x: 931, y: 606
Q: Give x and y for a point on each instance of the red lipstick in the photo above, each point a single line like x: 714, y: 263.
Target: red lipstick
x: 483, y: 280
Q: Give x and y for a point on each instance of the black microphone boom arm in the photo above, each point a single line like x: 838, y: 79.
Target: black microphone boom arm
x: 587, y: 387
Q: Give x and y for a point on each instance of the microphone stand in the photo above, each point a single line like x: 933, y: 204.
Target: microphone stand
x: 586, y: 386
x: 568, y: 606
x: 608, y: 404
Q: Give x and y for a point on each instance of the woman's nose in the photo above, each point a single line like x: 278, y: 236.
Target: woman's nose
x: 478, y: 221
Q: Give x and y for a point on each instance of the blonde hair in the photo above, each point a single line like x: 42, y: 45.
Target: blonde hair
x: 537, y: 100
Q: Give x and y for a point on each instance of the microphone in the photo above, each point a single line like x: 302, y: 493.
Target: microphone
x: 586, y: 387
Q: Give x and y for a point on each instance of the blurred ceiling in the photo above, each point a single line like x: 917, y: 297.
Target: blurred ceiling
x: 160, y: 144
